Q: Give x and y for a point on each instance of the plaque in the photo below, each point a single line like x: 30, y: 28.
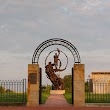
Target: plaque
x: 33, y: 78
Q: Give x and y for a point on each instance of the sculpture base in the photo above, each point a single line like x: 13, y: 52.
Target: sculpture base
x: 57, y: 91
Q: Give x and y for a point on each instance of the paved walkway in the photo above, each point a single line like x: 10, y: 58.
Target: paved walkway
x: 54, y: 108
x: 56, y: 100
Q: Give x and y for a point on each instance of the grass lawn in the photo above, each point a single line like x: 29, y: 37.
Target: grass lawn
x: 45, y: 96
x: 20, y: 98
x: 97, y: 98
x: 12, y: 97
x: 91, y: 98
x: 68, y: 97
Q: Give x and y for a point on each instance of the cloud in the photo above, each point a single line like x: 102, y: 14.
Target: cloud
x: 3, y: 28
x: 25, y: 24
x: 87, y: 7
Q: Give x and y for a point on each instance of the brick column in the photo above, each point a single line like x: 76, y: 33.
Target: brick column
x: 78, y: 85
x: 33, y: 85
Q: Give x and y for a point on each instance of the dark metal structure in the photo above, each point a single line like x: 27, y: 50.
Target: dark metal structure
x: 13, y: 92
x: 52, y: 68
x: 72, y: 85
x: 56, y: 41
x: 60, y: 61
x: 40, y: 86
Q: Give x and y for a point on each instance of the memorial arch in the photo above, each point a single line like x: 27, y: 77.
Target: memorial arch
x: 34, y: 73
x: 56, y: 41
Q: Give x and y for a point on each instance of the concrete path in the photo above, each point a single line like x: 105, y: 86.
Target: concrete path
x: 56, y: 100
x: 54, y: 108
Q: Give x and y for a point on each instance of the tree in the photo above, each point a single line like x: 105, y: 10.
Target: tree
x: 2, y: 89
x: 43, y: 87
x: 68, y: 83
x: 46, y: 88
x: 9, y: 91
x: 86, y: 87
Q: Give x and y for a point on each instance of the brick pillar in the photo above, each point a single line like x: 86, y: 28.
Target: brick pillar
x: 78, y: 85
x: 33, y: 85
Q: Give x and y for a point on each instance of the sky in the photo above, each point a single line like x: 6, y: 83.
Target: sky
x: 25, y: 24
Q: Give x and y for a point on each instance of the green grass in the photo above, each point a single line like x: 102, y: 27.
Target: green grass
x: 97, y: 98
x: 45, y: 95
x: 90, y: 98
x: 68, y: 97
x: 12, y: 98
x: 18, y: 98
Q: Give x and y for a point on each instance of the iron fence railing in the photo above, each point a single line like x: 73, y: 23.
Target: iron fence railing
x: 13, y: 91
x: 97, y: 91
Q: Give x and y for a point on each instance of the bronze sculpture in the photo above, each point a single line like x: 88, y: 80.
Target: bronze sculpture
x: 52, y: 68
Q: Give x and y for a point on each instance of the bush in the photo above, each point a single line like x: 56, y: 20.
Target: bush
x: 9, y: 91
x: 46, y: 88
x: 2, y: 89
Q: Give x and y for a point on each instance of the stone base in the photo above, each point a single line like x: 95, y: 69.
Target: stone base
x: 57, y: 91
x: 33, y: 88
x: 78, y: 85
x: 32, y: 104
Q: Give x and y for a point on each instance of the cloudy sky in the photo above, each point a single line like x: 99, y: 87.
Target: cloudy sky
x: 25, y: 24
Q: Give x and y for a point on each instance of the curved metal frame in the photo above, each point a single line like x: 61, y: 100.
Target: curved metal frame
x: 56, y: 41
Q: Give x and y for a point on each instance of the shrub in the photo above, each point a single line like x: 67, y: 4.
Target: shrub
x: 2, y: 89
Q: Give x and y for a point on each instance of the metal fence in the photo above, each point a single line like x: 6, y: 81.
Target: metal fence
x: 13, y: 91
x: 97, y: 91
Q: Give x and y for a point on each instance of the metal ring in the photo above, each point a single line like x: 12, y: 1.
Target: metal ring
x: 61, y: 52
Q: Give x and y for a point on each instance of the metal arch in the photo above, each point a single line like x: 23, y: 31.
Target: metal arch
x: 56, y: 41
